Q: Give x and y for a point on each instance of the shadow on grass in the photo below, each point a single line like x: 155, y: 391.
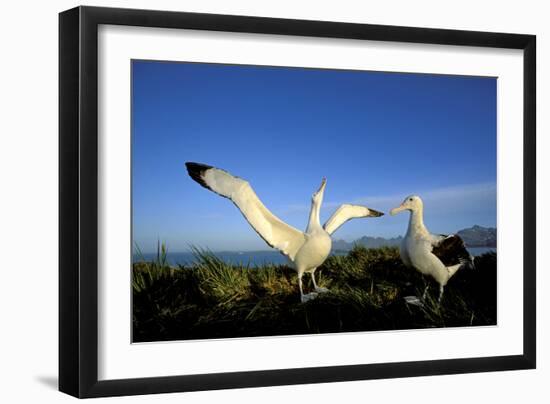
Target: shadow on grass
x: 213, y: 299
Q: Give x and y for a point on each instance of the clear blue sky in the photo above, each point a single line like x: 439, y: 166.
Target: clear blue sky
x: 377, y: 137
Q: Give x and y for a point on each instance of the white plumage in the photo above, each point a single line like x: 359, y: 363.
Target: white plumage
x: 346, y: 212
x: 305, y: 250
x: 439, y: 256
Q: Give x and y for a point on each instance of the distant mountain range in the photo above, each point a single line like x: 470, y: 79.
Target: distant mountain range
x: 476, y: 236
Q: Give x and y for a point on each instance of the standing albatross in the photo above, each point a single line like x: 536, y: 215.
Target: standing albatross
x: 305, y: 250
x: 437, y: 255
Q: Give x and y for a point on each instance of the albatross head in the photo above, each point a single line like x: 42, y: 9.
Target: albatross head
x: 317, y: 197
x: 411, y: 202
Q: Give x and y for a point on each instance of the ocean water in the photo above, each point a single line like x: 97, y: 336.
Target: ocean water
x: 475, y: 251
x: 256, y: 258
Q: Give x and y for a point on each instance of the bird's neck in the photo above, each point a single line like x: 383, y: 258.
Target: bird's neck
x: 314, y: 222
x: 416, y: 222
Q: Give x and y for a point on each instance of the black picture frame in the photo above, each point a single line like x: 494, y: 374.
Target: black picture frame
x: 78, y: 201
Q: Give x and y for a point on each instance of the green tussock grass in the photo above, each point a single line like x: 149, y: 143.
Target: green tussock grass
x: 213, y: 299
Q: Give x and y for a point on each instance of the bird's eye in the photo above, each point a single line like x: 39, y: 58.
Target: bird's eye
x: 411, y: 199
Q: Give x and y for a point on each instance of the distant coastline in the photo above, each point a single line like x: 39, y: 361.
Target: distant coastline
x: 479, y: 240
x: 475, y: 236
x: 255, y: 258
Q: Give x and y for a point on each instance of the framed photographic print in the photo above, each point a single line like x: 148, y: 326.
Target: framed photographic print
x: 250, y: 201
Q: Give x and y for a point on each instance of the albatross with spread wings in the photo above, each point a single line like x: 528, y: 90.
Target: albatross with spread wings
x: 305, y: 250
x: 439, y: 256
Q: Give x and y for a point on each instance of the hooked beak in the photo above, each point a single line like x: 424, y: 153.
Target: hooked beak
x: 323, y: 185
x: 395, y: 211
x: 375, y: 213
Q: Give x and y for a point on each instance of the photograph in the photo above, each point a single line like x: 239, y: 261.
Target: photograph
x: 275, y: 200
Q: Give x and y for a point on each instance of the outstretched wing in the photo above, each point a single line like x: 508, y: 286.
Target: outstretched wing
x: 274, y: 231
x: 347, y: 212
x: 451, y: 250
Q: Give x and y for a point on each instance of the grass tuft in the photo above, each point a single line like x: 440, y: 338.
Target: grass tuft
x: 213, y: 299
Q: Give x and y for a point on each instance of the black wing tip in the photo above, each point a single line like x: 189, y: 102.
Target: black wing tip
x: 375, y: 213
x: 196, y: 171
x: 196, y: 166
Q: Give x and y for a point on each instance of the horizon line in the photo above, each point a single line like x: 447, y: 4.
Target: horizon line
x: 274, y: 249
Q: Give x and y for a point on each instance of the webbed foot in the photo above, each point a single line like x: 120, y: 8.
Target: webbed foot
x: 309, y: 296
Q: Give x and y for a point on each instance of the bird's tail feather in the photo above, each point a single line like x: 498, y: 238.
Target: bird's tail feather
x: 463, y: 262
x: 453, y: 268
x: 468, y: 262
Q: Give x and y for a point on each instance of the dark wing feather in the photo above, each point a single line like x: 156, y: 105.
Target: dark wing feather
x: 196, y: 171
x: 451, y: 251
